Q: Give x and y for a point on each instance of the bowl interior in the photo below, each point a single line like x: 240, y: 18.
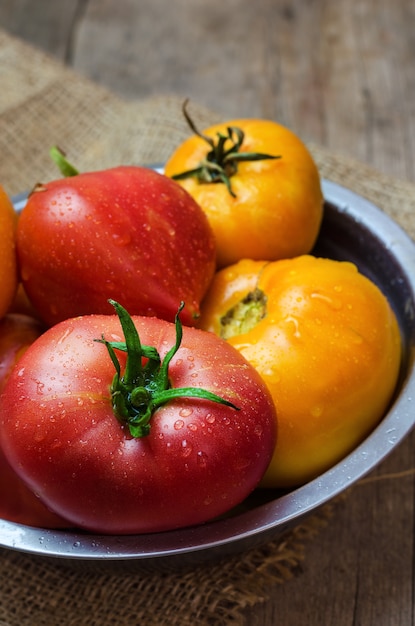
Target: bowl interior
x: 353, y: 229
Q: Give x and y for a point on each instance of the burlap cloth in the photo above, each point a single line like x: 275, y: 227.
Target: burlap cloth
x: 41, y: 104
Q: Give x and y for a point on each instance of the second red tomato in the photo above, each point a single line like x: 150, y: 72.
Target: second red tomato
x: 127, y: 233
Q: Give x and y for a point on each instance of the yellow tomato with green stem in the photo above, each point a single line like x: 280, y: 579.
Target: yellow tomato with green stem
x: 257, y: 183
x: 8, y: 262
x: 326, y: 342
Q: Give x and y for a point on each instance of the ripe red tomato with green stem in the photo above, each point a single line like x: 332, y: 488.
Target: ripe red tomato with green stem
x: 181, y: 433
x: 17, y: 502
x: 127, y: 233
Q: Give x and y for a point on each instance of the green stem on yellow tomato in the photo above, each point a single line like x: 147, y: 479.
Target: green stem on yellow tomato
x: 221, y: 162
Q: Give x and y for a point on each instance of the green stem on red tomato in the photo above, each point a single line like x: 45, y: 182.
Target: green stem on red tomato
x: 139, y: 390
x: 221, y: 162
x: 59, y: 157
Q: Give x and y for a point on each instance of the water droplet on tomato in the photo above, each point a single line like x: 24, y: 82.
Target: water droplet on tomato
x: 210, y: 418
x: 185, y: 412
x: 229, y: 275
x: 109, y: 285
x: 192, y: 427
x: 258, y: 430
x: 121, y: 239
x: 40, y: 387
x: 178, y: 424
x: 316, y: 411
x: 186, y: 448
x: 65, y: 335
x: 333, y: 303
x: 201, y: 459
x: 295, y: 324
x: 269, y: 371
x: 38, y: 436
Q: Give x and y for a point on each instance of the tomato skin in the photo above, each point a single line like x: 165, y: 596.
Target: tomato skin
x: 17, y: 502
x: 278, y: 207
x: 17, y: 332
x: 200, y: 458
x: 8, y: 264
x: 127, y: 233
x: 328, y: 348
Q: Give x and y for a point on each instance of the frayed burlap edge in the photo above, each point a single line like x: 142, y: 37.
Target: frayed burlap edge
x: 45, y: 593
x: 43, y: 104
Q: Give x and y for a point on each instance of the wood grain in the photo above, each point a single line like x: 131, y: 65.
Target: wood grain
x: 340, y: 74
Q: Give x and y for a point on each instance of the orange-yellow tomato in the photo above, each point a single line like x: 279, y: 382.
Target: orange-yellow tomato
x: 327, y: 343
x: 8, y: 263
x: 277, y: 208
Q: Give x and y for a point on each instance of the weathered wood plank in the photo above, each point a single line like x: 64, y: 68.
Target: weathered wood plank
x: 327, y: 70
x: 48, y: 25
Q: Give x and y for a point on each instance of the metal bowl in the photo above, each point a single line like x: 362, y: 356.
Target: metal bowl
x: 353, y: 229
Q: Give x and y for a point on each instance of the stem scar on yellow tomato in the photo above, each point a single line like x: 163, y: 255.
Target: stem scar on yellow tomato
x: 268, y: 205
x: 326, y: 342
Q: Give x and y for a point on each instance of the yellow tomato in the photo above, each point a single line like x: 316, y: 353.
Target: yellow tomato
x: 277, y: 204
x: 327, y: 343
x: 8, y: 263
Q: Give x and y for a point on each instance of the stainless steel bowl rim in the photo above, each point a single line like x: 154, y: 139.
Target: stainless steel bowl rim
x: 271, y: 518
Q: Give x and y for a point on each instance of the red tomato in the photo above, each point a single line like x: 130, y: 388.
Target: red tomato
x: 199, y: 458
x: 20, y: 505
x: 17, y: 333
x: 126, y: 233
x: 17, y: 502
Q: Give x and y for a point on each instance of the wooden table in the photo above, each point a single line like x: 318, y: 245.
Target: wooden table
x: 340, y: 74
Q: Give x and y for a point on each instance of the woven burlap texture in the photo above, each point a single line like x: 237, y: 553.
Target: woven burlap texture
x: 41, y: 104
